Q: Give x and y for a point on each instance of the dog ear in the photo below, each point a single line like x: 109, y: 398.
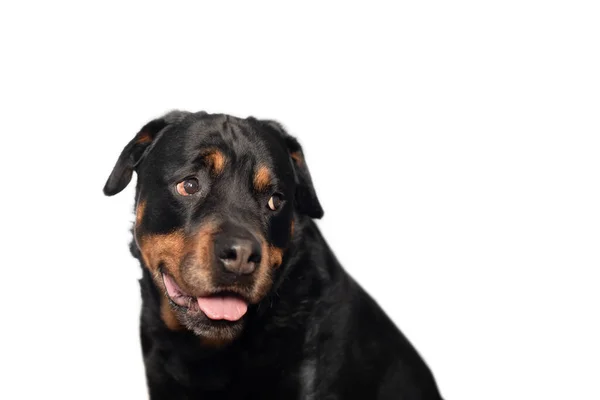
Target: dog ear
x: 131, y: 155
x: 137, y: 148
x: 306, y: 198
x: 135, y: 151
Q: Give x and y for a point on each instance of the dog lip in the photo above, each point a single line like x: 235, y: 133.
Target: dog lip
x: 227, y: 291
x: 188, y: 301
x: 175, y: 293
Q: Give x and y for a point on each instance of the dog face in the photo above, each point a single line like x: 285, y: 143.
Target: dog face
x: 215, y: 204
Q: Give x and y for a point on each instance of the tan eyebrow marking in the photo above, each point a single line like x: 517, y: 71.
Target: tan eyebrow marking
x: 216, y: 159
x: 262, y: 178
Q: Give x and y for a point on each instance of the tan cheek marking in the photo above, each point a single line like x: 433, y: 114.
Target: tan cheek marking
x: 168, y: 315
x: 216, y: 160
x: 275, y: 256
x: 262, y: 178
x: 264, y: 274
x: 167, y: 249
x: 292, y: 228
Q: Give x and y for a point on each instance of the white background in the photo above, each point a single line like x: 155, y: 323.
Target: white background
x: 454, y: 146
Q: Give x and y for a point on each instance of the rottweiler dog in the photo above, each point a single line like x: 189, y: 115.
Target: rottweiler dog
x: 242, y: 297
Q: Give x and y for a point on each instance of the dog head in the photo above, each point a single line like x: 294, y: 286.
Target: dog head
x: 216, y: 199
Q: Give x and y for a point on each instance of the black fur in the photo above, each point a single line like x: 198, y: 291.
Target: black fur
x: 315, y: 335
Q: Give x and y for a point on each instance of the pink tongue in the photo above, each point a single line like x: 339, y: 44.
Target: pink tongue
x: 219, y: 307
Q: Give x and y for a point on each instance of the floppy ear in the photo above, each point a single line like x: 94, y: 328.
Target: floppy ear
x: 137, y: 148
x: 131, y: 156
x: 306, y: 198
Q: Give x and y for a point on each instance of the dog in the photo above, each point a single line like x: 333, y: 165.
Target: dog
x: 241, y: 296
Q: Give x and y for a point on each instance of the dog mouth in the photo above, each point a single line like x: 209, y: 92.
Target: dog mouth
x: 222, y: 305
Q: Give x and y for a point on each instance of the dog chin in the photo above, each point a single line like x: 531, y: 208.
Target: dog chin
x: 213, y: 331
x: 215, y: 317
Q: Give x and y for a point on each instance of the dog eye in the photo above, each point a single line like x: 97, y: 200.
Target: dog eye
x: 188, y: 187
x: 275, y: 201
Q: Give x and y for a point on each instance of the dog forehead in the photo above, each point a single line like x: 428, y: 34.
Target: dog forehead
x: 239, y: 139
x: 234, y: 134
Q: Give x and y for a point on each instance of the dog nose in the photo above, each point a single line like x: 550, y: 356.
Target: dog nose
x: 238, y: 255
